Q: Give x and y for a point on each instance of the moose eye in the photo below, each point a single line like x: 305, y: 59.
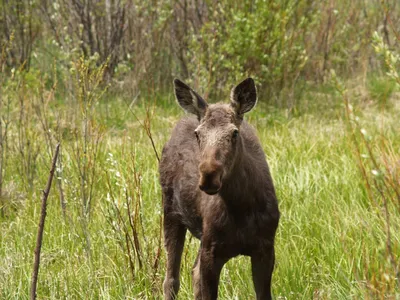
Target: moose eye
x: 197, y: 135
x: 235, y: 133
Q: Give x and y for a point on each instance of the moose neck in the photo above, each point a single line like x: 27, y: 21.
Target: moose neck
x: 236, y: 190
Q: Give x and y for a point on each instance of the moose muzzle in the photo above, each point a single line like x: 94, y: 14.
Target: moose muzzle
x: 211, y: 172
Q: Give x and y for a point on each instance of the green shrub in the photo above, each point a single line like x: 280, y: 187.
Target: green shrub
x: 264, y: 40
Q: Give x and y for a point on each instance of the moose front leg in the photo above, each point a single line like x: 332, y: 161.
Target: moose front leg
x: 174, y: 236
x: 196, y: 278
x: 262, y: 266
x: 210, y: 267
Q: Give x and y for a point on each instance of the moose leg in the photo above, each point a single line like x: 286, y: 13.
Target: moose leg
x: 174, y: 236
x: 210, y: 270
x: 196, y: 277
x: 262, y: 266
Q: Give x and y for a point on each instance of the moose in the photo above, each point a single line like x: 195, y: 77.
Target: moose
x: 216, y: 183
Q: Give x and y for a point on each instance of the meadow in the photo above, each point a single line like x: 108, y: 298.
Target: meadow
x: 96, y: 77
x: 102, y: 232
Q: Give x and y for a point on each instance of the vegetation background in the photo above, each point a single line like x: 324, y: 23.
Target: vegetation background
x: 96, y: 76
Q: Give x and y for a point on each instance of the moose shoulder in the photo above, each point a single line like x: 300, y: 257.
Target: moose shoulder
x: 216, y: 184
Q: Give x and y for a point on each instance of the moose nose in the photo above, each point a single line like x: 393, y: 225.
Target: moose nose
x: 210, y: 177
x: 210, y: 190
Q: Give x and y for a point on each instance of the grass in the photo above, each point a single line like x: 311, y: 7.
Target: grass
x: 331, y: 242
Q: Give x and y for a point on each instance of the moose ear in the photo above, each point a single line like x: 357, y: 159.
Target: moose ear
x: 244, y: 96
x: 189, y: 100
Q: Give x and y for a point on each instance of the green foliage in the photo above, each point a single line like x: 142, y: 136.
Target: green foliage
x: 264, y: 40
x: 390, y: 58
x: 20, y: 26
x: 211, y: 43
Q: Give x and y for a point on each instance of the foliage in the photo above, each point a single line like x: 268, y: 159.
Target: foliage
x: 19, y: 25
x: 212, y: 43
x: 263, y: 39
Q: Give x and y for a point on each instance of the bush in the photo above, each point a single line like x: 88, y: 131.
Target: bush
x: 264, y: 40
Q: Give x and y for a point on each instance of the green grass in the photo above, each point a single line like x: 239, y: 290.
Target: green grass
x: 330, y: 241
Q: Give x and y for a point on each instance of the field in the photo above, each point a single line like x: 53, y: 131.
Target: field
x: 332, y: 239
x: 95, y: 77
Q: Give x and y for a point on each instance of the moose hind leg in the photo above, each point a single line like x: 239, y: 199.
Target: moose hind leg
x: 174, y: 237
x: 262, y: 266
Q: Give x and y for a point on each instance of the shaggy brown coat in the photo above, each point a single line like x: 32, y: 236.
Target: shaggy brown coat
x: 216, y: 183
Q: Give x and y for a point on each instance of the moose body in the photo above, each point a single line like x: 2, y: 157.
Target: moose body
x: 216, y: 184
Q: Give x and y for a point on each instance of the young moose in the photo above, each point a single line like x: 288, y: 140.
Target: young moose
x: 216, y: 183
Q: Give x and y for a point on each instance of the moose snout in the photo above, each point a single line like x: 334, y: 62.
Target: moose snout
x: 210, y: 177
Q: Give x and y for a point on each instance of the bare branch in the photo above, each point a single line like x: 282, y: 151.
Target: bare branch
x: 38, y: 247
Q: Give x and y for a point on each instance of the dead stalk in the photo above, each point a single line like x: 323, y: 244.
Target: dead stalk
x: 38, y: 247
x: 41, y: 112
x: 3, y: 146
x: 129, y: 243
x: 146, y: 125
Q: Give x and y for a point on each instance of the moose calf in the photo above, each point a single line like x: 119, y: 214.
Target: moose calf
x: 216, y: 183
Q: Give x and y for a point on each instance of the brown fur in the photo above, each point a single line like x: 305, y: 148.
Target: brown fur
x: 219, y: 188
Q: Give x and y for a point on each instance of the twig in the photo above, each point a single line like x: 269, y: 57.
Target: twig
x: 387, y: 17
x: 46, y: 193
x: 133, y: 102
x: 146, y: 126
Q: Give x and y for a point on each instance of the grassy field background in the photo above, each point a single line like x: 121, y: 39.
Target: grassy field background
x: 331, y: 242
x: 96, y: 76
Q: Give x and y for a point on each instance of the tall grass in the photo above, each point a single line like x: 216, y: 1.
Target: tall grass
x: 333, y: 147
x: 332, y: 242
